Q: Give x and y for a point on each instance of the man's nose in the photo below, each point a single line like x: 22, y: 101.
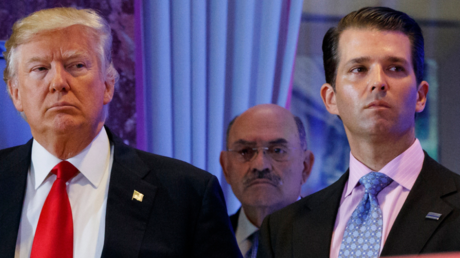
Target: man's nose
x: 377, y: 80
x: 261, y: 160
x: 59, y: 79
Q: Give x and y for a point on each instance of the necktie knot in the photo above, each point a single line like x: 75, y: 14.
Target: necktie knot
x: 64, y: 170
x: 374, y: 182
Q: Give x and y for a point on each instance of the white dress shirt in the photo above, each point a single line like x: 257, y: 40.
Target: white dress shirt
x: 87, y: 196
x: 404, y: 170
x: 244, y: 230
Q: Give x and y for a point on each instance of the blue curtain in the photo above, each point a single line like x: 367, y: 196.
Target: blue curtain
x: 200, y: 63
x: 13, y: 129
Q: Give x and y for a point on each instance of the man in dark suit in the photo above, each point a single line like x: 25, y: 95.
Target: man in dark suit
x: 394, y: 199
x: 75, y: 189
x: 266, y: 163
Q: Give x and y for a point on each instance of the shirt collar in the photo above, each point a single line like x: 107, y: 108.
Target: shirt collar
x: 245, y: 227
x: 404, y: 169
x: 92, y: 162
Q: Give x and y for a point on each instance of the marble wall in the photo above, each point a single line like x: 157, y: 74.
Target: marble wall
x: 120, y: 14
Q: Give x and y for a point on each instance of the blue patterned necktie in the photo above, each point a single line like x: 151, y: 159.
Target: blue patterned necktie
x: 252, y: 252
x: 364, y: 228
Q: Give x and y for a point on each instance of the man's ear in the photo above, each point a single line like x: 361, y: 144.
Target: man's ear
x: 328, y: 96
x: 223, y: 159
x: 308, y: 161
x: 13, y: 88
x: 109, y: 90
x: 422, y: 93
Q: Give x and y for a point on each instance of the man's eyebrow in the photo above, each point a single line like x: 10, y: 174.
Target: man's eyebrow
x: 37, y: 59
x: 74, y: 54
x: 359, y: 60
x: 66, y: 55
x: 243, y: 142
x: 395, y: 59
x: 278, y: 141
x: 364, y: 59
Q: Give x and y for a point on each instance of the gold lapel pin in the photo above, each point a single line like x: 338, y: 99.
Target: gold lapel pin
x: 138, y: 196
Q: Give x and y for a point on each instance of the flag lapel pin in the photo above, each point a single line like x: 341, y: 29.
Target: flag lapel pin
x: 137, y: 196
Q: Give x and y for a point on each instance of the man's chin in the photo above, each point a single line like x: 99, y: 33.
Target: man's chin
x: 262, y: 194
x: 269, y: 202
x: 66, y: 124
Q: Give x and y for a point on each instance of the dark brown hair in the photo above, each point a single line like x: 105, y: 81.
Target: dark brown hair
x: 380, y: 18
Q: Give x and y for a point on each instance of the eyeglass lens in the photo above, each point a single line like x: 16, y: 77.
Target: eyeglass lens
x: 275, y: 153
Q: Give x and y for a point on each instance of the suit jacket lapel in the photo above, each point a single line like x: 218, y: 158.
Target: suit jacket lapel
x: 425, y: 196
x: 13, y: 181
x: 234, y: 220
x: 126, y: 218
x: 312, y: 230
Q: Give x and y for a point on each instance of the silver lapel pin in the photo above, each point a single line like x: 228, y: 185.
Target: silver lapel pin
x: 433, y: 215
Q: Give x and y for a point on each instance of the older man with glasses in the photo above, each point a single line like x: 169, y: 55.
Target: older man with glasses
x: 266, y: 163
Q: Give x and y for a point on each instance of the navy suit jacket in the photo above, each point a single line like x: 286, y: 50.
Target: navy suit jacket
x: 304, y: 229
x: 234, y: 219
x: 183, y: 212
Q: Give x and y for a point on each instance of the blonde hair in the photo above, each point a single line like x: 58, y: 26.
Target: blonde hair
x: 59, y: 18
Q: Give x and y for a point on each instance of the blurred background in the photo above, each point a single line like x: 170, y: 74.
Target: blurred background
x: 188, y: 67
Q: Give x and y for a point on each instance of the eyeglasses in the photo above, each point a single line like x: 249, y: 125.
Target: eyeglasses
x: 246, y: 154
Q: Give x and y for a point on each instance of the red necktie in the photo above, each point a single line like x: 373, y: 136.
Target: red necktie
x: 54, y: 234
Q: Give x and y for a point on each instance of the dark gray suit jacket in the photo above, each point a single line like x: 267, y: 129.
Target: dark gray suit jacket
x: 304, y: 229
x: 183, y: 212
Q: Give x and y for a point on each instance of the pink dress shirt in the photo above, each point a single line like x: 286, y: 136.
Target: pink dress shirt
x: 404, y: 170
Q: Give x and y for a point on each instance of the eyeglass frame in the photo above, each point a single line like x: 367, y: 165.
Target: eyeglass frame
x: 256, y: 149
